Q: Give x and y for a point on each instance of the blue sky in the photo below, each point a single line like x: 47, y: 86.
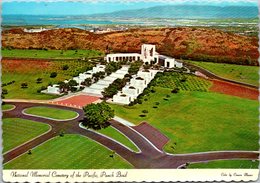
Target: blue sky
x: 86, y: 8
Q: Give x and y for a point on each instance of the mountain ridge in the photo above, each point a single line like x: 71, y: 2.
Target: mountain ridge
x: 185, y: 11
x: 184, y: 42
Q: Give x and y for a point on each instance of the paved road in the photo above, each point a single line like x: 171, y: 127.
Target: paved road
x: 149, y: 157
x: 56, y: 126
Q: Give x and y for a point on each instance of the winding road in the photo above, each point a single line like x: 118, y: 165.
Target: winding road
x: 148, y: 157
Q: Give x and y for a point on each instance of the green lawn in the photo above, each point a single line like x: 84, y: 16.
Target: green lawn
x: 7, y: 107
x: 17, y: 131
x: 246, y: 164
x: 198, y: 121
x: 16, y: 72
x: 15, y: 91
x: 54, y: 113
x: 116, y: 135
x: 246, y: 74
x: 69, y: 152
x: 185, y: 82
x: 31, y: 53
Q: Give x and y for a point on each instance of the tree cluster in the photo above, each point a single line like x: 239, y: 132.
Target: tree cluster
x: 113, y: 88
x: 70, y: 86
x: 134, y: 67
x: 97, y: 116
x: 112, y: 67
x: 98, y: 75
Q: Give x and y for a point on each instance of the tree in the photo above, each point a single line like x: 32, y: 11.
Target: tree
x: 24, y: 85
x: 175, y: 90
x: 64, y: 87
x: 65, y: 67
x: 39, y: 80
x: 72, y: 83
x: 112, y: 67
x: 87, y: 82
x: 109, y: 91
x: 4, y: 91
x: 97, y: 116
x: 144, y: 111
x: 41, y: 88
x: 53, y: 74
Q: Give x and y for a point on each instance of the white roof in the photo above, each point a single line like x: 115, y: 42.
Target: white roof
x: 126, y: 54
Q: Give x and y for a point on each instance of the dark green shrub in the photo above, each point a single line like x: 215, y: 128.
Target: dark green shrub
x: 53, y: 75
x: 65, y: 67
x: 24, y: 85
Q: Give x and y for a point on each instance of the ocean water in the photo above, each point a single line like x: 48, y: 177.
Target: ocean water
x: 53, y: 20
x: 163, y: 15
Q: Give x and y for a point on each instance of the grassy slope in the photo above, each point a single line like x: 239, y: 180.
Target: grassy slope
x: 68, y: 152
x: 29, y: 72
x: 114, y: 134
x: 16, y: 53
x: 54, y: 113
x: 247, y: 74
x: 15, y: 90
x: 227, y: 164
x: 17, y: 131
x: 7, y: 106
x: 199, y: 121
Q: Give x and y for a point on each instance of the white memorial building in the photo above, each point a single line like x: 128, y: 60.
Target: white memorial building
x: 148, y: 55
x: 135, y: 87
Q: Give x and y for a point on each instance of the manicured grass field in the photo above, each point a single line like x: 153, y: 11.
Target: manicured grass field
x: 69, y: 152
x: 17, y: 131
x: 198, y: 121
x: 247, y: 164
x: 16, y: 72
x: 246, y: 74
x: 116, y: 135
x: 7, y: 107
x: 31, y: 53
x: 49, y: 112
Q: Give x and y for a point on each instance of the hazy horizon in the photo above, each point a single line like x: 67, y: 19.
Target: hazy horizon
x: 88, y: 8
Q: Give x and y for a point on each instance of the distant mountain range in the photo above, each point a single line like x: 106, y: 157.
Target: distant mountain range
x: 144, y: 16
x: 185, y: 11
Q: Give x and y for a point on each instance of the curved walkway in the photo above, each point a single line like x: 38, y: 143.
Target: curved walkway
x: 149, y: 157
x: 56, y: 126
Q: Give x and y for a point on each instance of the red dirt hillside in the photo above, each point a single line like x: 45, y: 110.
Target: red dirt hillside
x: 187, y: 43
